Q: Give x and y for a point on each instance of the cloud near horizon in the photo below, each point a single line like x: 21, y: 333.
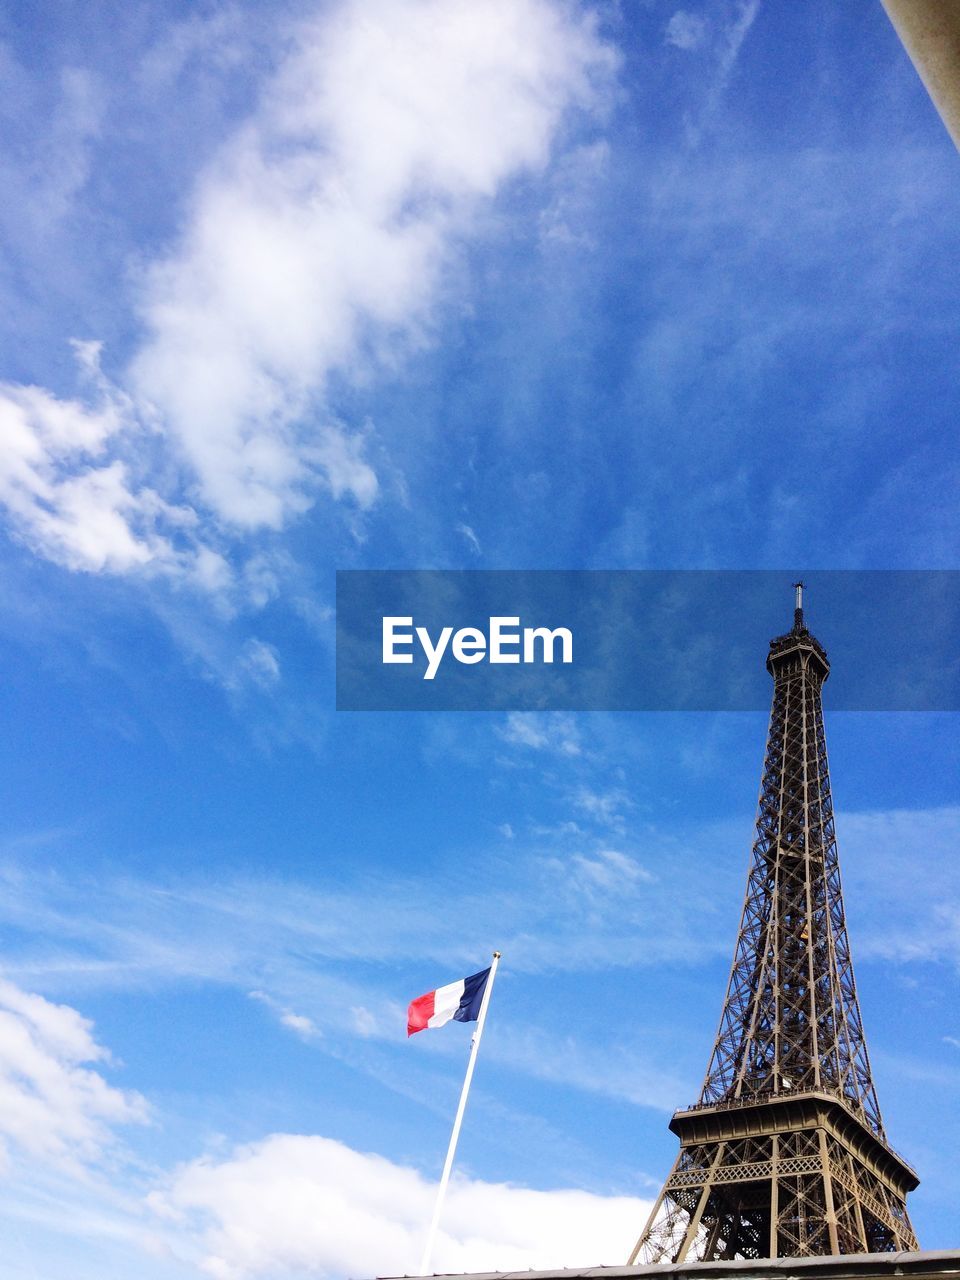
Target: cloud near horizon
x: 311, y: 1206
x: 322, y: 238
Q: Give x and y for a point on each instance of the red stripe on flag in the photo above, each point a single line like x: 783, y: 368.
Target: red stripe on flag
x: 420, y: 1013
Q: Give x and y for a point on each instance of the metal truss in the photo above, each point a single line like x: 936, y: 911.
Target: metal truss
x: 785, y: 1154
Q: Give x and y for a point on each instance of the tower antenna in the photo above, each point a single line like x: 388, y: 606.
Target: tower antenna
x: 798, y: 606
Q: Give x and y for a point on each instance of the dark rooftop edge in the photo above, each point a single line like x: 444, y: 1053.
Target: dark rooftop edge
x: 933, y: 1262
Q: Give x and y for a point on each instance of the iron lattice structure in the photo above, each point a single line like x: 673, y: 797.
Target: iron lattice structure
x: 785, y: 1154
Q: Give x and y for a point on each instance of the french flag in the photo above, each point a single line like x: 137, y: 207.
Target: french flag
x: 459, y: 1000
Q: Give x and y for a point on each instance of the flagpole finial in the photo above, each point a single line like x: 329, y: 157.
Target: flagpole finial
x: 496, y: 955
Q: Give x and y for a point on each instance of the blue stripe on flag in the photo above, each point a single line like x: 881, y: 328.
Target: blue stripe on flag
x: 470, y: 1001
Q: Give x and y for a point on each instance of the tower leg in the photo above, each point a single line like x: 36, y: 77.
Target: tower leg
x: 831, y: 1213
x: 694, y: 1225
x: 774, y: 1251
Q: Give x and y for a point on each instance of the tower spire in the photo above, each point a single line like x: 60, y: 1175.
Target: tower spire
x: 785, y: 1154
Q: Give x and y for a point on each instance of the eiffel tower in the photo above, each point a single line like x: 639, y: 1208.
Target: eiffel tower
x: 785, y: 1153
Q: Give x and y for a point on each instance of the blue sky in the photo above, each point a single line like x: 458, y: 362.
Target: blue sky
x: 290, y: 288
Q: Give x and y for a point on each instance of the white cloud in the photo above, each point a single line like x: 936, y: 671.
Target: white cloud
x: 323, y: 237
x: 73, y: 502
x: 305, y: 1027
x: 319, y: 238
x: 82, y: 519
x: 298, y: 1023
x: 54, y: 1107
x: 314, y: 1206
x: 686, y: 30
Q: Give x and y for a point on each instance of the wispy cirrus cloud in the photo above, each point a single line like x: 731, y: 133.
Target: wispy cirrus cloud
x: 543, y: 731
x: 537, y: 899
x: 911, y: 917
x: 42, y: 192
x: 718, y: 40
x: 561, y: 901
x: 686, y: 30
x: 628, y: 1071
x: 562, y: 906
x: 606, y: 808
x: 334, y: 965
x: 470, y: 535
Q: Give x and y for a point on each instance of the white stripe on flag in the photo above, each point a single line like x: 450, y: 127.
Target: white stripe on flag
x: 446, y: 1002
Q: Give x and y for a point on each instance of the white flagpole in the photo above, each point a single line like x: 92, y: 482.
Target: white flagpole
x: 451, y: 1149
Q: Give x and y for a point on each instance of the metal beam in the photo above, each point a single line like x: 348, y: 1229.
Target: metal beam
x: 930, y: 32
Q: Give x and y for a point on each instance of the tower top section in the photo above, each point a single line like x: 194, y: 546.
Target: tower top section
x: 798, y: 650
